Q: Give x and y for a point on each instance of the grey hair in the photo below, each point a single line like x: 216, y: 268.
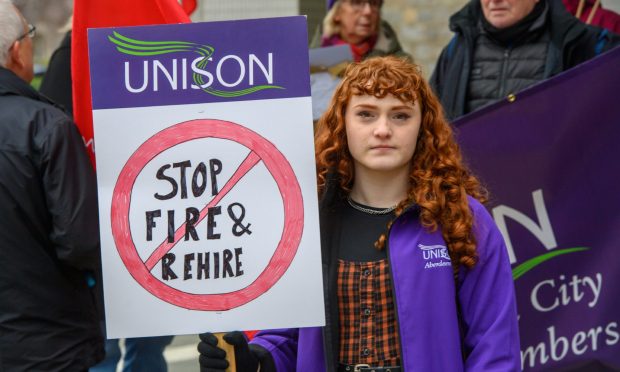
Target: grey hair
x: 11, y: 26
x: 330, y: 27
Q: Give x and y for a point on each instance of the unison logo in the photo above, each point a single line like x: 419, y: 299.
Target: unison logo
x: 228, y: 76
x: 432, y: 253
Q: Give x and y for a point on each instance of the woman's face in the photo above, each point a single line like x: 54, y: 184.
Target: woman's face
x: 382, y: 133
x: 358, y: 19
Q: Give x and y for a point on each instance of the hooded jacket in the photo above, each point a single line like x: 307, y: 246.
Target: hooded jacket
x: 570, y: 43
x: 444, y: 325
x: 49, y: 237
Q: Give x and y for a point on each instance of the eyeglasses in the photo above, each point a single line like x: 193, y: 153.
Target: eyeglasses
x: 360, y: 4
x: 32, y: 31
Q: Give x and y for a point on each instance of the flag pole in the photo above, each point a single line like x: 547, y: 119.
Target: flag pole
x: 230, y: 352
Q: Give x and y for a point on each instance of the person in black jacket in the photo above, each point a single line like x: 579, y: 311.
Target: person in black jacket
x: 56, y: 83
x: 49, y: 239
x: 501, y: 47
x: 139, y: 353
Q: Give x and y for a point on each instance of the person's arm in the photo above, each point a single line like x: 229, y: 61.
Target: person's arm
x: 70, y: 192
x: 281, y: 346
x: 612, y: 40
x: 488, y: 306
x: 269, y: 351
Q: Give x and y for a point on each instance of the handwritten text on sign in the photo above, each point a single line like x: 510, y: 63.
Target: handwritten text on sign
x: 228, y: 262
x: 179, y: 188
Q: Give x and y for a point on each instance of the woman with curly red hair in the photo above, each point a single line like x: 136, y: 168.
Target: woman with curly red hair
x: 416, y: 273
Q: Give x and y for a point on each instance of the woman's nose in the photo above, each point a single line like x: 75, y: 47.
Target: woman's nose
x: 383, y: 127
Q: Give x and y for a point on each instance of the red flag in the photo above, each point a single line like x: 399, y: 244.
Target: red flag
x: 189, y: 6
x: 109, y: 13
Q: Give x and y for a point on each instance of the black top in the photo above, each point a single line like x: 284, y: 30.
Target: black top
x: 56, y: 83
x: 359, y: 233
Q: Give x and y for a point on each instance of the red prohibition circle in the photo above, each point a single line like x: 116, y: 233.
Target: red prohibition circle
x: 278, y: 167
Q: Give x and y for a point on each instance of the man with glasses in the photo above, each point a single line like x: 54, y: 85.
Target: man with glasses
x: 21, y: 48
x: 49, y: 245
x: 358, y: 23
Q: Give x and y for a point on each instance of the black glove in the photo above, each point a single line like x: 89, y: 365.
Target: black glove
x: 213, y: 359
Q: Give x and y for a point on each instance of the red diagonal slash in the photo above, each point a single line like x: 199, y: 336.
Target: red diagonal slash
x: 261, y: 150
x: 248, y: 163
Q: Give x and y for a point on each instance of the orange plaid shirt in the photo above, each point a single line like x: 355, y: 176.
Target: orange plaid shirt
x: 367, y: 316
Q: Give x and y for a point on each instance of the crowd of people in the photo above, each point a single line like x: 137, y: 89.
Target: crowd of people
x: 390, y: 177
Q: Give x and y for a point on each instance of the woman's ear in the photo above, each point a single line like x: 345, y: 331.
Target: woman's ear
x: 337, y: 17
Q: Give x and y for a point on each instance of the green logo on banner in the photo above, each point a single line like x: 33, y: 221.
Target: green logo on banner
x: 528, y: 265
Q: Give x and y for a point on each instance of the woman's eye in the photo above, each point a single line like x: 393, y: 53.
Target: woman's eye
x: 364, y: 114
x: 401, y: 116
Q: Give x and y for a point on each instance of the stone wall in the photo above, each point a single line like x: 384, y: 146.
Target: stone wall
x: 244, y: 9
x: 216, y: 10
x: 422, y: 27
x: 50, y: 17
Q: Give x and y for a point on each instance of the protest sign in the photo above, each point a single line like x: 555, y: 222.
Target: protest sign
x: 550, y: 157
x: 207, y: 186
x: 326, y: 65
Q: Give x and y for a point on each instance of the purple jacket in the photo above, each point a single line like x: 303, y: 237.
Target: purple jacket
x: 431, y: 336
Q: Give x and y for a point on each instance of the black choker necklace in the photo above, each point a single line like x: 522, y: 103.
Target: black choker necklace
x: 367, y: 210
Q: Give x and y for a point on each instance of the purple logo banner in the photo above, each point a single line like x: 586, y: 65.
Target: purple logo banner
x: 199, y: 62
x: 550, y: 160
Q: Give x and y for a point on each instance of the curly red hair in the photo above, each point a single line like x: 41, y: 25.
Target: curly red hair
x: 439, y: 181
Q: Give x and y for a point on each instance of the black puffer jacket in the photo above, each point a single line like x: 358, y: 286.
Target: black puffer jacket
x: 570, y: 43
x: 498, y: 71
x: 49, y: 239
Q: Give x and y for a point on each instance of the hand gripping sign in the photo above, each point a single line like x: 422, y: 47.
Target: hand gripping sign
x: 261, y: 150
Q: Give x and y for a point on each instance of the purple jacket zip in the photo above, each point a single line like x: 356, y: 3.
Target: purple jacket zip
x: 426, y: 306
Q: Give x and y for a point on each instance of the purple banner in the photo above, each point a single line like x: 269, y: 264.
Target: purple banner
x: 199, y: 62
x: 550, y: 159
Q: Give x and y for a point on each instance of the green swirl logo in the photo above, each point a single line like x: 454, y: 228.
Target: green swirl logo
x: 143, y: 48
